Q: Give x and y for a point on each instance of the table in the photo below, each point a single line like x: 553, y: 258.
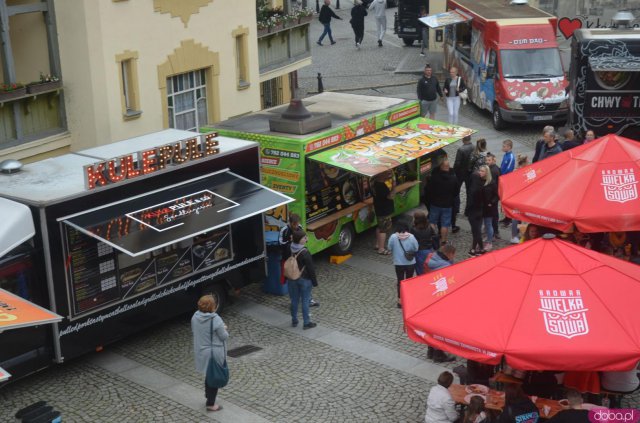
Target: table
x: 502, y: 377
x: 495, y: 400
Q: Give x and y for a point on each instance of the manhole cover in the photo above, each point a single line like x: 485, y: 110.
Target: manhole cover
x: 243, y: 350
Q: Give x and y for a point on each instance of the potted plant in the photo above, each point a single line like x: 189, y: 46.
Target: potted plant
x: 263, y: 29
x: 12, y: 91
x: 305, y: 15
x: 290, y: 20
x: 47, y: 82
x: 276, y: 23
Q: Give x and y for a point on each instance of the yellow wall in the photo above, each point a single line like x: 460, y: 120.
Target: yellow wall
x: 92, y: 34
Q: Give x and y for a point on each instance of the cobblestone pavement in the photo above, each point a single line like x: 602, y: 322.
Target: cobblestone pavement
x: 85, y: 393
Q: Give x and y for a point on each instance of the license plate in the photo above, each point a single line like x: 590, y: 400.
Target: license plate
x: 409, y: 30
x: 545, y: 117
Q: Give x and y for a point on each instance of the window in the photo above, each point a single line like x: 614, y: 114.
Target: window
x: 129, y: 93
x: 187, y: 100
x: 242, y: 57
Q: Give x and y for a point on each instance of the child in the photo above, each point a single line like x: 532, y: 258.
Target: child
x: 507, y: 166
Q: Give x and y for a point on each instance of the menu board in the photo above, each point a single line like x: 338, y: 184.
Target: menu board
x: 99, y: 275
x: 92, y: 267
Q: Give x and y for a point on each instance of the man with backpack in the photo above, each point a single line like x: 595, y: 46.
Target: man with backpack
x: 301, y: 277
x: 285, y: 238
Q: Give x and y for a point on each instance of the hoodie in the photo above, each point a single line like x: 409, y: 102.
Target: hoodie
x: 204, y: 344
x: 438, y: 261
x: 409, y: 243
x: 305, y: 260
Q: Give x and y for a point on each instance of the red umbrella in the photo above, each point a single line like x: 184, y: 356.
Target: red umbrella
x: 594, y: 186
x: 543, y: 305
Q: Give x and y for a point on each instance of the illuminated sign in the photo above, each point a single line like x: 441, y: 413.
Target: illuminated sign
x: 148, y: 161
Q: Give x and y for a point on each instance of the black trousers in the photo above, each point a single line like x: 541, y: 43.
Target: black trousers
x: 475, y: 220
x: 210, y: 394
x: 404, y: 272
x: 358, y: 31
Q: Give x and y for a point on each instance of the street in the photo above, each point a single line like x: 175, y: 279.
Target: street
x: 357, y: 365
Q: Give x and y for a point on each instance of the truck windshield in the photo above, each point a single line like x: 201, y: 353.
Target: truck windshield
x: 531, y: 63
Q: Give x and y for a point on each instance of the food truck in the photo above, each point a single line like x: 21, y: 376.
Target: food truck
x: 328, y: 171
x: 127, y: 235
x: 605, y: 82
x: 508, y: 56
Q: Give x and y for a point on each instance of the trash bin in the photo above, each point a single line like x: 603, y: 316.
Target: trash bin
x: 272, y: 283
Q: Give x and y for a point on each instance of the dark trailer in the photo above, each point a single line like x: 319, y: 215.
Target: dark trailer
x: 130, y: 234
x: 605, y: 82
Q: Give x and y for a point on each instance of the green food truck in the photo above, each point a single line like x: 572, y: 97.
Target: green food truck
x: 328, y: 171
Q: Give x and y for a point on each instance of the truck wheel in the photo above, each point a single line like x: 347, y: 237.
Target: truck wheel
x: 219, y: 292
x: 498, y: 122
x: 408, y: 41
x: 345, y: 240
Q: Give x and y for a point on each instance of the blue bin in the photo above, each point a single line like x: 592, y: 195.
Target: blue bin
x: 272, y: 283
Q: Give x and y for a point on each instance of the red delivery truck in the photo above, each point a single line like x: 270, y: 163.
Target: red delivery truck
x: 508, y: 56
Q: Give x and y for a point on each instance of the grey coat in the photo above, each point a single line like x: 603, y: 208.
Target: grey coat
x: 203, y: 344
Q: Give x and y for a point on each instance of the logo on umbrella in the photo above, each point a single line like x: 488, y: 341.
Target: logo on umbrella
x: 620, y: 185
x: 564, y: 313
x: 441, y: 284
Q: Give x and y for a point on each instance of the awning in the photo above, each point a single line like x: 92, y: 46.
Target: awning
x: 390, y: 147
x: 445, y: 18
x: 17, y: 225
x: 160, y: 218
x: 16, y: 312
x: 615, y: 64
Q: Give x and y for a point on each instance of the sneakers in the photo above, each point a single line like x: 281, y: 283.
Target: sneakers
x: 488, y: 246
x: 318, y: 43
x: 333, y: 42
x: 379, y: 43
x: 294, y: 324
x: 314, y: 303
x: 309, y: 325
x: 421, y: 54
x: 455, y: 229
x: 515, y: 240
x: 358, y: 46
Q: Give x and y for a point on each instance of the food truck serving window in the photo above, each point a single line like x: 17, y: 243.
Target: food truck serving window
x: 145, y: 223
x: 162, y: 237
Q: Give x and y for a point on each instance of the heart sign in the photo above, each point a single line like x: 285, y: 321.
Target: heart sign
x: 567, y: 26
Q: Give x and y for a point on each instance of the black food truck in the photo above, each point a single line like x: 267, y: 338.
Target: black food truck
x: 127, y: 235
x: 605, y: 82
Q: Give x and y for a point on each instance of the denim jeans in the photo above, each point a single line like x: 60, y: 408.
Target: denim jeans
x: 488, y: 226
x: 421, y: 256
x: 327, y: 31
x: 300, y: 290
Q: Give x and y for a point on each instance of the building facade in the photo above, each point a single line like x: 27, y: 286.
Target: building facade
x: 126, y: 68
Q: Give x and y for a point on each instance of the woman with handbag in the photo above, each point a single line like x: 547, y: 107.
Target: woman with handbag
x: 210, y: 348
x: 403, y: 246
x: 454, y: 90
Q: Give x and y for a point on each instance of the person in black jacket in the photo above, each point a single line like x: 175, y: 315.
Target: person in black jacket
x: 489, y: 204
x: 357, y: 21
x: 540, y: 143
x: 461, y: 167
x: 475, y: 203
x: 440, y: 192
x: 428, y: 91
x: 325, y: 19
x: 300, y: 289
x: 495, y: 175
x: 518, y: 408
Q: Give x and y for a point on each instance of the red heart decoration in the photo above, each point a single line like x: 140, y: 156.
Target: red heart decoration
x: 567, y: 26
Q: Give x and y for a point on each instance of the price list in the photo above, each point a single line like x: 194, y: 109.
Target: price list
x: 92, y: 270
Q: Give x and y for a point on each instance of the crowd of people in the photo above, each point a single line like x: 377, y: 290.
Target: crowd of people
x: 359, y: 11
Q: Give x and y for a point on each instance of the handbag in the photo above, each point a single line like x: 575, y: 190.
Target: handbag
x: 409, y: 255
x: 464, y: 95
x: 217, y: 376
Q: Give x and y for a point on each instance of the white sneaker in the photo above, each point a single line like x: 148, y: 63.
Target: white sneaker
x: 422, y: 54
x: 488, y: 246
x: 515, y: 240
x: 358, y: 46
